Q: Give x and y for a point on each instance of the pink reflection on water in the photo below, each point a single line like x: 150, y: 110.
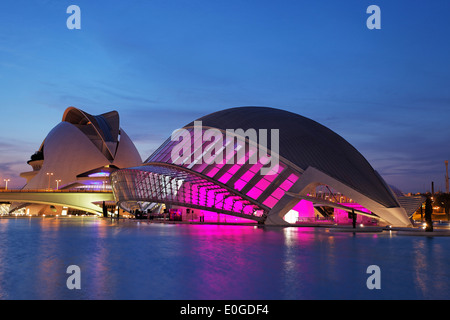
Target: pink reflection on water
x: 217, y: 217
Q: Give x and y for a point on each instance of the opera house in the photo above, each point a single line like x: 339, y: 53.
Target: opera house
x: 79, y: 153
x: 244, y: 164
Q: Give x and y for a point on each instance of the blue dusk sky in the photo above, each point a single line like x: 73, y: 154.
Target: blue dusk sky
x: 164, y: 63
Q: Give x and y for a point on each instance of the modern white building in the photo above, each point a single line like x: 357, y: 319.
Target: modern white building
x: 79, y: 154
x: 310, y: 159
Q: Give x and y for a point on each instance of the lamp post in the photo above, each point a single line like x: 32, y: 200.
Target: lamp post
x: 49, y: 175
x: 57, y: 183
x: 6, y: 183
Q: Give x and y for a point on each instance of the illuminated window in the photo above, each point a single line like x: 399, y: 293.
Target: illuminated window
x: 247, y: 176
x: 270, y: 202
x: 280, y: 191
x: 227, y: 175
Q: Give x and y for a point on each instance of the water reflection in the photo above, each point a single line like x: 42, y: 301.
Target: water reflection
x: 429, y: 269
x: 138, y: 260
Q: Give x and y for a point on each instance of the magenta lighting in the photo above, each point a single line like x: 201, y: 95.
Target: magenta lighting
x: 185, y: 177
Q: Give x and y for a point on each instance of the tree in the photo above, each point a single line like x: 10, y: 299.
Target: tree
x: 443, y: 201
x: 428, y: 213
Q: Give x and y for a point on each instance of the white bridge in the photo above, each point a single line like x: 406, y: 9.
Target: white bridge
x: 76, y: 199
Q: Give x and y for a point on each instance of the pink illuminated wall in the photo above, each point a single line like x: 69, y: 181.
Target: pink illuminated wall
x: 227, y: 175
x: 207, y: 194
x: 341, y: 216
x: 209, y: 216
x: 216, y: 217
x: 247, y: 176
x: 280, y: 191
x: 214, y: 170
x: 305, y: 209
x: 265, y: 181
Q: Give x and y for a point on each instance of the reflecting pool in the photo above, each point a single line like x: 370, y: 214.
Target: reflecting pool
x: 140, y: 260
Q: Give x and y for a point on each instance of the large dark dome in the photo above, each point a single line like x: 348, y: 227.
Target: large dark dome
x: 305, y: 143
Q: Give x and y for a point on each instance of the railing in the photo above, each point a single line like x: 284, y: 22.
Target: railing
x: 55, y: 191
x: 314, y: 220
x: 332, y: 197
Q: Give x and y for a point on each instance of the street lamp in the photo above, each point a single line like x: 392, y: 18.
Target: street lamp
x: 6, y: 183
x: 57, y: 184
x: 49, y: 175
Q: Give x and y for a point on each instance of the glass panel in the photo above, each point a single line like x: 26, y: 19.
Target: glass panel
x: 263, y: 184
x: 286, y: 185
x: 270, y: 202
x: 254, y: 193
x: 248, y: 176
x: 238, y: 185
x: 225, y: 177
x: 214, y: 170
x: 278, y: 193
x: 293, y: 177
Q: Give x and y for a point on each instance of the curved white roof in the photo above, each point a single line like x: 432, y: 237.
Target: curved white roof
x: 81, y: 143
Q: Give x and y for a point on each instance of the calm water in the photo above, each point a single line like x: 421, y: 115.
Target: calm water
x: 131, y: 260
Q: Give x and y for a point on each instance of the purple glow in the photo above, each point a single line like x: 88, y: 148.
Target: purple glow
x: 263, y: 183
x: 270, y: 202
x: 225, y: 177
x: 99, y: 174
x: 305, y: 209
x: 214, y: 170
x: 275, y: 170
x: 280, y: 191
x: 228, y: 204
x: 238, y: 185
x: 341, y: 216
x: 254, y: 193
x: 302, y: 211
x: 210, y: 216
x: 248, y: 210
x: 247, y: 176
x: 287, y: 184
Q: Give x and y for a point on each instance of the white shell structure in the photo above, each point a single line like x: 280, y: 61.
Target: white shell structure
x: 81, y: 152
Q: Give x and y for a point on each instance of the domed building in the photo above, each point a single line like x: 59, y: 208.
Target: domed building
x: 259, y: 164
x: 80, y: 153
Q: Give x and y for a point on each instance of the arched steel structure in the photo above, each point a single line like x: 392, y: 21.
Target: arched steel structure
x: 169, y: 184
x: 307, y: 154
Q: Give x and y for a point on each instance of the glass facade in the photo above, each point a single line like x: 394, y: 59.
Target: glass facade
x: 206, y: 171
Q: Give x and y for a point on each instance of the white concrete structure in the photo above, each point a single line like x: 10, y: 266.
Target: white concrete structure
x: 82, y: 151
x: 310, y: 156
x: 79, y: 153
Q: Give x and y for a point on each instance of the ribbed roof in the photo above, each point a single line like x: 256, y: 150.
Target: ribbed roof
x: 106, y: 126
x: 305, y: 143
